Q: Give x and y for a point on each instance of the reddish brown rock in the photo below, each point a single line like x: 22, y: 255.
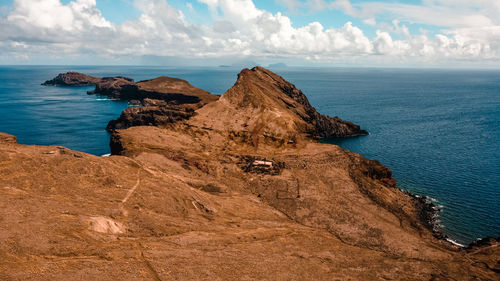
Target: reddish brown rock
x: 6, y: 138
x: 263, y: 107
x: 72, y: 79
x: 164, y: 99
x: 162, y: 88
x: 117, y: 87
x: 153, y: 113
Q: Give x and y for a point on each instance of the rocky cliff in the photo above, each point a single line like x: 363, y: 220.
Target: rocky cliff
x: 163, y: 88
x: 262, y: 104
x: 72, y: 79
x: 153, y: 113
x: 238, y: 190
x: 163, y: 99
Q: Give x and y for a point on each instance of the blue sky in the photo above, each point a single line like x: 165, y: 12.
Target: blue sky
x: 118, y: 11
x: 299, y: 32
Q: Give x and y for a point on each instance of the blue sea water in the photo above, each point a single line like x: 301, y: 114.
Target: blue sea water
x: 438, y: 130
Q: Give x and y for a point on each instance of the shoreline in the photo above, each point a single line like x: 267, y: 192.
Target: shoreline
x: 428, y: 214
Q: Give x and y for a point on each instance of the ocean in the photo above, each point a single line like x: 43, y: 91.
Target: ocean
x: 437, y: 130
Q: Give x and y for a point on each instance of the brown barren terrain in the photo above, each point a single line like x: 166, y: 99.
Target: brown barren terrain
x: 238, y: 190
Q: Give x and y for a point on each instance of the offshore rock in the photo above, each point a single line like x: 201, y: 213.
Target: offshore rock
x: 72, y: 79
x: 116, y: 87
x: 164, y: 99
x: 162, y: 88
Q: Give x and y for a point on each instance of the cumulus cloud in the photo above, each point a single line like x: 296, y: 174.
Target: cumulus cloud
x: 238, y: 29
x: 469, y: 28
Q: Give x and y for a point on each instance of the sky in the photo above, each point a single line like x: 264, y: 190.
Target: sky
x: 387, y: 33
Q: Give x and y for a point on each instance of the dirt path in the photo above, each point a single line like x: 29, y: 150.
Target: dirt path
x: 129, y: 193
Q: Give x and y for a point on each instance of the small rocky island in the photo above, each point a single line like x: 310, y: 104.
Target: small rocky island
x: 202, y: 187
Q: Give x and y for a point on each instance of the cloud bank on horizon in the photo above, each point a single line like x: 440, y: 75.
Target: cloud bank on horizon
x: 375, y: 33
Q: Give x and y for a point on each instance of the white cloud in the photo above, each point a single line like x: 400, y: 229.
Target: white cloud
x: 446, y: 13
x: 434, y: 15
x: 239, y: 29
x: 51, y: 14
x: 470, y: 28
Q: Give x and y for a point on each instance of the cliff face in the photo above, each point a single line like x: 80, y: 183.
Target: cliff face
x: 153, y: 113
x: 163, y: 88
x: 215, y: 195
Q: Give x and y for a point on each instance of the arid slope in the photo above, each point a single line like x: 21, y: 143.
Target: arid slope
x: 239, y: 191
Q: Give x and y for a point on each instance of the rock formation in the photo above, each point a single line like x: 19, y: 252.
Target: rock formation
x: 72, y: 79
x: 263, y: 105
x: 6, y: 138
x: 153, y: 113
x: 239, y: 190
x: 162, y: 88
x: 164, y: 99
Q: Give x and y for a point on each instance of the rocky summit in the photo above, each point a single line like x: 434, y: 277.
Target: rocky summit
x: 263, y: 105
x: 235, y: 188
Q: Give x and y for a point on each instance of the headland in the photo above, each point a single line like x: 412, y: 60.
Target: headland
x: 206, y: 187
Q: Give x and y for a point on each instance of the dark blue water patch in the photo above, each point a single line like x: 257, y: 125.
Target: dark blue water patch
x: 67, y: 116
x: 438, y: 130
x: 44, y: 115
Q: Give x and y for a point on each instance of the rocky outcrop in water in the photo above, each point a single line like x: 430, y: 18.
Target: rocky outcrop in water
x: 168, y: 89
x: 72, y: 79
x: 117, y: 88
x: 162, y: 88
x: 163, y: 100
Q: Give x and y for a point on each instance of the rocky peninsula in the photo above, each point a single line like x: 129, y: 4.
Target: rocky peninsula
x: 202, y: 187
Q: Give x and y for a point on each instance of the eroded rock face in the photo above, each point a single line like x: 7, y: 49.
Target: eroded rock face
x: 152, y: 113
x: 487, y: 249
x: 117, y: 88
